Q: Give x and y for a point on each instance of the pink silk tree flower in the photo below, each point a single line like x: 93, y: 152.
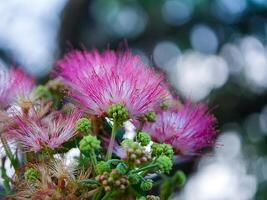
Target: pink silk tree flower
x: 49, y: 132
x: 14, y: 84
x: 188, y: 129
x: 99, y: 80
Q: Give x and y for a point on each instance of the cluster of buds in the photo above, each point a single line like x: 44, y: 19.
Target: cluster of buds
x: 89, y: 143
x: 136, y: 154
x: 113, y: 180
x: 148, y: 117
x: 149, y: 197
x: 31, y: 175
x: 118, y: 112
x: 83, y: 125
x: 162, y: 149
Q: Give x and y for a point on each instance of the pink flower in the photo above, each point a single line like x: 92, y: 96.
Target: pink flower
x: 14, y: 84
x: 49, y: 132
x: 98, y: 80
x: 188, y: 129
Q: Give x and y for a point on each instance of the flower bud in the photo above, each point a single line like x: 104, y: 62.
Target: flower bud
x: 179, y: 178
x: 89, y: 143
x: 157, y: 149
x: 143, y: 138
x: 42, y: 92
x: 162, y: 149
x: 118, y: 112
x: 31, y: 175
x: 164, y: 163
x: 152, y: 197
x: 102, y: 167
x: 164, y: 105
x: 134, y: 178
x: 146, y: 185
x: 83, y: 125
x: 150, y: 116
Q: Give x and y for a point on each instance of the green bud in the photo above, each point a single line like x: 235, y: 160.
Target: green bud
x: 146, y: 185
x: 102, y: 167
x: 129, y: 143
x: 134, y: 178
x: 164, y: 105
x: 143, y: 138
x: 43, y: 92
x: 31, y: 175
x: 152, y: 197
x: 83, y: 125
x: 157, y: 149
x: 118, y: 112
x: 164, y: 163
x: 179, y: 178
x: 162, y: 149
x: 150, y: 116
x: 89, y: 143
x: 168, y: 150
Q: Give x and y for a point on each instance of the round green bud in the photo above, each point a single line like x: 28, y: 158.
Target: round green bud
x: 134, y: 178
x: 83, y: 125
x: 157, y: 149
x: 102, y: 167
x: 146, y: 185
x: 150, y: 116
x: 168, y: 150
x: 179, y: 178
x: 164, y: 105
x: 143, y: 138
x: 118, y: 112
x: 164, y: 163
x: 31, y: 175
x: 152, y: 197
x: 89, y: 143
x: 129, y: 143
x: 162, y: 149
x: 42, y: 92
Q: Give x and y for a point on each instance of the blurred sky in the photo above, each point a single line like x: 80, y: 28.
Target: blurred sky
x: 210, y: 50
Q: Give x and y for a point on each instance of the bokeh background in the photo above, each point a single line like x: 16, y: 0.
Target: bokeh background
x: 210, y: 50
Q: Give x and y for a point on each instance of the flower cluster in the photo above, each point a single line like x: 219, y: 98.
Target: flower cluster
x: 14, y: 85
x: 188, y: 128
x: 99, y: 80
x: 84, y: 110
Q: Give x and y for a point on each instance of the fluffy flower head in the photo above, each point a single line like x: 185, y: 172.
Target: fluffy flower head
x: 188, y: 129
x: 49, y: 132
x: 14, y: 84
x: 99, y: 80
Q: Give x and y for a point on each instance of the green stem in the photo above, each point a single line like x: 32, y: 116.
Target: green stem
x: 106, y: 196
x: 14, y: 162
x: 152, y: 166
x: 98, y: 195
x: 5, y: 178
x: 112, y: 140
x: 114, y: 161
x: 93, y: 158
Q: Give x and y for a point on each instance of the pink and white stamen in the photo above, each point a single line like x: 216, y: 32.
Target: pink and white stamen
x: 14, y: 83
x: 49, y: 132
x: 98, y: 80
x: 188, y: 129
